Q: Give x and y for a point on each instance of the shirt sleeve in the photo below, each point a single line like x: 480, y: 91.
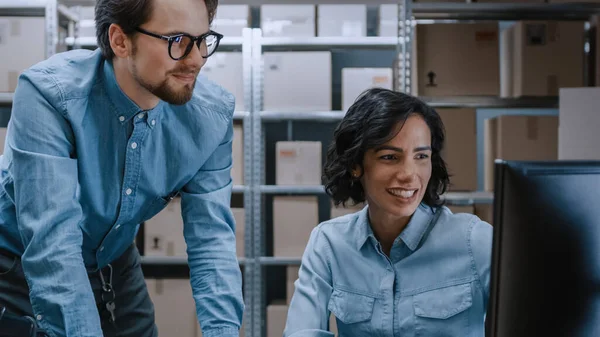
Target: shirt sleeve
x: 209, y: 230
x: 308, y: 315
x: 42, y: 153
x: 481, y: 248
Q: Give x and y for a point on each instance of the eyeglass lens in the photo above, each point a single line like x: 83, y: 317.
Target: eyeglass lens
x: 182, y: 45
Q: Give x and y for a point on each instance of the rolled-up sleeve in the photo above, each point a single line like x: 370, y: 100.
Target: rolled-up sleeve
x: 308, y: 315
x: 44, y: 170
x: 209, y: 230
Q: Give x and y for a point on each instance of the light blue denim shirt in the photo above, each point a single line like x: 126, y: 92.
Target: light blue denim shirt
x: 435, y: 282
x: 83, y: 166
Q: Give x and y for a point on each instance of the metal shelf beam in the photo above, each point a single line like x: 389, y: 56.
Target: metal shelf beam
x: 321, y: 116
x: 491, y: 102
x: 36, y: 8
x: 239, y: 188
x: 6, y: 97
x: 279, y: 261
x: 282, y: 189
x: 240, y: 115
x: 327, y: 43
x: 173, y: 260
x: 504, y: 11
x: 437, y: 102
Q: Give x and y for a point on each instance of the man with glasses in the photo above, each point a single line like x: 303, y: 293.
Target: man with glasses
x: 100, y: 141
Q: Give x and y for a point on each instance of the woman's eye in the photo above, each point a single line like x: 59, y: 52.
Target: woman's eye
x: 422, y: 156
x: 388, y: 157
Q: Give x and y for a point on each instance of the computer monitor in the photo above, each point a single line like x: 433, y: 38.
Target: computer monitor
x: 545, y: 275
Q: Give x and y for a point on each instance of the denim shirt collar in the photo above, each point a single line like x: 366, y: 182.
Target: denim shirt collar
x: 125, y: 108
x: 412, y: 235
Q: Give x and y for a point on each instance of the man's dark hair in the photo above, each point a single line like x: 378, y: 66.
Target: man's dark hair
x: 371, y: 122
x: 129, y: 15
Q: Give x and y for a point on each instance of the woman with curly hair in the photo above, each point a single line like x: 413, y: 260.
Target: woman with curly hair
x: 405, y: 265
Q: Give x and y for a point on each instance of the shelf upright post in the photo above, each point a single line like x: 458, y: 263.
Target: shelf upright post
x: 51, y: 17
x: 258, y: 305
x: 249, y: 266
x: 404, y: 46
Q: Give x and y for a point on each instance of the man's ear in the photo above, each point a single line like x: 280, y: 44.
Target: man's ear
x: 119, y: 41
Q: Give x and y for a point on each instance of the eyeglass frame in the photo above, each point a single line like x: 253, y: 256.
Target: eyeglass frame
x: 196, y: 40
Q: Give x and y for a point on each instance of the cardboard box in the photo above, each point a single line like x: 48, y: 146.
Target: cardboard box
x: 388, y: 20
x: 457, y: 60
x: 231, y: 20
x: 237, y: 170
x: 339, y: 211
x: 227, y: 70
x: 167, y: 294
x: 528, y: 138
x: 287, y: 20
x: 357, y: 80
x: 276, y: 319
x: 485, y: 212
x: 579, y: 124
x: 548, y: 55
x: 22, y: 45
x: 460, y: 152
x: 298, y: 163
x: 293, y: 220
x: 470, y: 209
x: 163, y: 234
x: 342, y: 20
x: 291, y: 276
x: 304, y: 92
x: 239, y: 214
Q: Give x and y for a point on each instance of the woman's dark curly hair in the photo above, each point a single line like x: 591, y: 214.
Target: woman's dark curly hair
x: 371, y: 122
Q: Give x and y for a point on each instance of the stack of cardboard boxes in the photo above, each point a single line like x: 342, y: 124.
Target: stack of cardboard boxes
x: 542, y: 56
x: 22, y: 44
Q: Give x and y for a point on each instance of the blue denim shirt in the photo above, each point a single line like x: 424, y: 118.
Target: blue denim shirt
x: 83, y: 166
x: 435, y: 282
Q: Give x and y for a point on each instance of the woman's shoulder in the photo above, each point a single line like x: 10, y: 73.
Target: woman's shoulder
x: 460, y: 220
x: 342, y: 229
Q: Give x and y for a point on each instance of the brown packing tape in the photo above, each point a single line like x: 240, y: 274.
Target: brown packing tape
x: 532, y: 128
x: 13, y: 79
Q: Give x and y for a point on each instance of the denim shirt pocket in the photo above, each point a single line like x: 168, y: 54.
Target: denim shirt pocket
x: 443, y: 310
x: 353, y: 311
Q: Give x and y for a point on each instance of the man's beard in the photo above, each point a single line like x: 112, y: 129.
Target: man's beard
x: 165, y: 92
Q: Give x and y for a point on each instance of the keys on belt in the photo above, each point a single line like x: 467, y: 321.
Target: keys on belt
x: 108, y: 294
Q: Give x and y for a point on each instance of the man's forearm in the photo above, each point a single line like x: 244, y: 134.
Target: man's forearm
x: 61, y: 295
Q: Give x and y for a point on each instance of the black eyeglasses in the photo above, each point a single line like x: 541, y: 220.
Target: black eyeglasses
x: 180, y: 45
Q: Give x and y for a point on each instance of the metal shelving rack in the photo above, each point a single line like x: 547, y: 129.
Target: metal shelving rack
x: 56, y: 15
x: 252, y: 44
x: 409, y: 15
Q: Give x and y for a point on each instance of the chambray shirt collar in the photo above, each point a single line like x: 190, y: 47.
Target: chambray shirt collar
x: 418, y: 225
x: 125, y: 108
x: 412, y: 235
